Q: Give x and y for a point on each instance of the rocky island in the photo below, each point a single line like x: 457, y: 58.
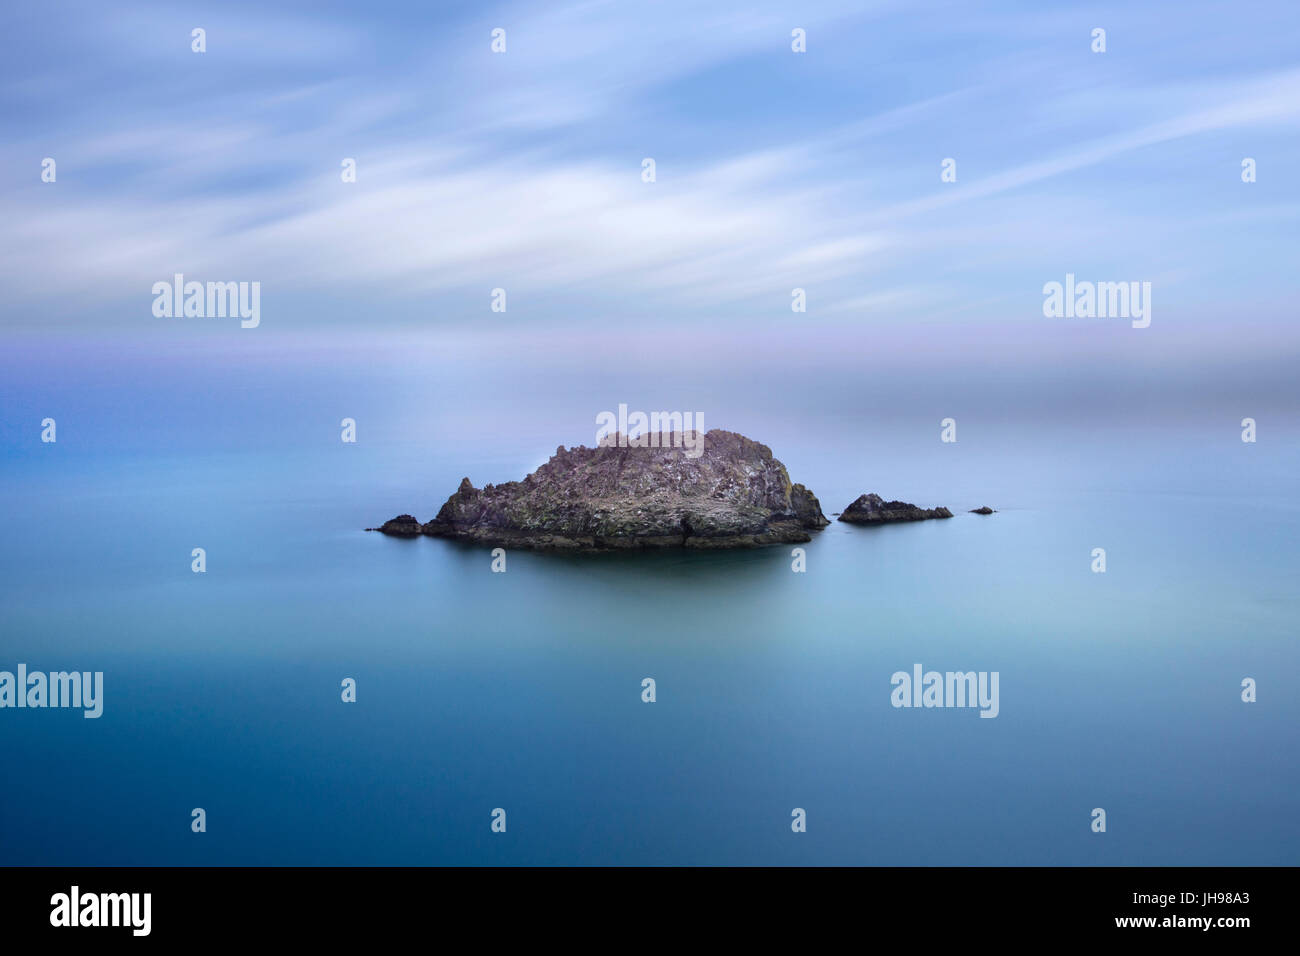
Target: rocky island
x: 626, y: 496
x: 872, y: 509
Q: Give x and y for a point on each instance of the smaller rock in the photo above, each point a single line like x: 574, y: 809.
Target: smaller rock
x: 872, y: 509
x: 986, y: 510
x: 403, y: 526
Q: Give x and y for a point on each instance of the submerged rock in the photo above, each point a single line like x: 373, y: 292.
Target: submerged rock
x: 986, y: 510
x: 872, y: 509
x: 731, y: 494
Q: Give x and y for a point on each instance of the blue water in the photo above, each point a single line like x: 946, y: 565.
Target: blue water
x: 522, y: 690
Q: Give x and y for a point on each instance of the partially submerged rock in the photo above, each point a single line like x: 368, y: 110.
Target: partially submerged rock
x: 403, y: 526
x: 872, y: 509
x: 731, y: 494
x: 986, y: 510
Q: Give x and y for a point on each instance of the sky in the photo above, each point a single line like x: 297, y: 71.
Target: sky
x: 775, y: 170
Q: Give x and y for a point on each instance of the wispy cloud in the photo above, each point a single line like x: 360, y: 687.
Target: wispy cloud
x: 523, y: 170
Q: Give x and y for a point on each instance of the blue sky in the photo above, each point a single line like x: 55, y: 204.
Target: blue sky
x: 775, y: 170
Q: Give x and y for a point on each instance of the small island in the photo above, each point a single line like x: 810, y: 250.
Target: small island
x: 872, y: 509
x: 634, y: 493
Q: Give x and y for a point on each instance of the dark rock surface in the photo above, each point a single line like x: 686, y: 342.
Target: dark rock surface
x: 403, y: 526
x: 986, y: 510
x: 734, y: 494
x: 872, y: 509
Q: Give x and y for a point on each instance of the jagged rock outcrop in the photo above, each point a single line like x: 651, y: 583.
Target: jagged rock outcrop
x: 614, y: 497
x: 872, y: 509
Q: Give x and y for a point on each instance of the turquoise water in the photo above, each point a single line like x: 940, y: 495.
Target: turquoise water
x: 522, y: 690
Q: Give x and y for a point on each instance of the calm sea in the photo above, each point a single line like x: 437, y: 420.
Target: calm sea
x: 522, y: 691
